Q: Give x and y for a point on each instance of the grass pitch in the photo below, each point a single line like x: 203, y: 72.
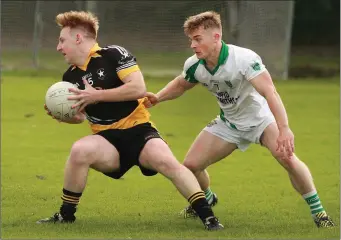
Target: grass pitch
x: 256, y: 199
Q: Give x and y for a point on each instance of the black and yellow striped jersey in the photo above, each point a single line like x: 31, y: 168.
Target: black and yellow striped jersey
x: 104, y: 69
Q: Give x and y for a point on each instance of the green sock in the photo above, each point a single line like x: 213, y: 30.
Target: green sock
x: 209, y: 195
x: 314, y: 203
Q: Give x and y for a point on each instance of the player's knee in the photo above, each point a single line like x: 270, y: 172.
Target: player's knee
x: 82, y: 152
x: 278, y: 155
x: 282, y: 158
x: 168, y: 167
x: 192, y: 165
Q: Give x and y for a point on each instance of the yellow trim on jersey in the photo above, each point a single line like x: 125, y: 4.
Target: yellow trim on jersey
x: 126, y: 71
x: 138, y: 116
x: 92, y: 53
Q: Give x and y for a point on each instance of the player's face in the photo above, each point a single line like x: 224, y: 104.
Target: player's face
x: 67, y: 45
x: 202, y: 42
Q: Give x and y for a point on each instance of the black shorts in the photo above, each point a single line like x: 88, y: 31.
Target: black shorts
x: 129, y: 143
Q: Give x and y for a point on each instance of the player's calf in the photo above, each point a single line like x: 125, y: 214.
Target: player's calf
x: 302, y: 181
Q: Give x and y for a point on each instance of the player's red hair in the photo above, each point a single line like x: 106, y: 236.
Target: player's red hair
x: 79, y: 19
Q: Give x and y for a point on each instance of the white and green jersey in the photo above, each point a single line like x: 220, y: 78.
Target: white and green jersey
x: 241, y: 105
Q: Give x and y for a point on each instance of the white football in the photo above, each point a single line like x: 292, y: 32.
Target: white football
x: 57, y: 103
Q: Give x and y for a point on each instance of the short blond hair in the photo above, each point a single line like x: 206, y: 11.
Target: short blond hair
x: 79, y: 19
x: 209, y: 19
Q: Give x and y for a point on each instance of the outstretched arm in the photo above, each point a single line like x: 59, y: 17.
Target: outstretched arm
x: 172, y: 90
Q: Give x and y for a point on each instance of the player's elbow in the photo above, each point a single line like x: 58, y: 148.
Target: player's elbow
x: 141, y: 94
x: 140, y: 90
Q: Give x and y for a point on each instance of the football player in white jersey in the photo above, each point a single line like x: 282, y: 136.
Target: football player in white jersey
x: 251, y: 110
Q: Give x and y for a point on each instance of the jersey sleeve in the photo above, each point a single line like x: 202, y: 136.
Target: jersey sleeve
x: 125, y: 61
x: 189, y: 69
x: 252, y: 65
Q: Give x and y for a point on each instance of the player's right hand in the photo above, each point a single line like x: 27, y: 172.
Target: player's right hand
x: 150, y: 100
x: 285, y: 142
x: 49, y: 113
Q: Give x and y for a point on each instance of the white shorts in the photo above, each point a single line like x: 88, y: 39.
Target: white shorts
x: 242, y: 139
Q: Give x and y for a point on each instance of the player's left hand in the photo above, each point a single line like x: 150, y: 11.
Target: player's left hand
x: 85, y: 97
x: 285, y: 142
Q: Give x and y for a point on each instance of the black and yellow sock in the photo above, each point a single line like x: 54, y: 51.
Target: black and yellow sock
x: 70, y: 202
x: 200, y: 205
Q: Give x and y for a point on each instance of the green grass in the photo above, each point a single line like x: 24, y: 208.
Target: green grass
x: 256, y: 198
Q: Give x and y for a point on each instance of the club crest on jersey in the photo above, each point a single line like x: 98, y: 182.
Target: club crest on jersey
x: 256, y: 66
x: 101, y: 74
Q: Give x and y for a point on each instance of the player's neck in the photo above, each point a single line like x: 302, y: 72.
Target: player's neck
x: 84, y: 53
x: 213, y: 58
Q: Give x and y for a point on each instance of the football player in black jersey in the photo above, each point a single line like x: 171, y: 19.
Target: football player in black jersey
x: 110, y: 95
